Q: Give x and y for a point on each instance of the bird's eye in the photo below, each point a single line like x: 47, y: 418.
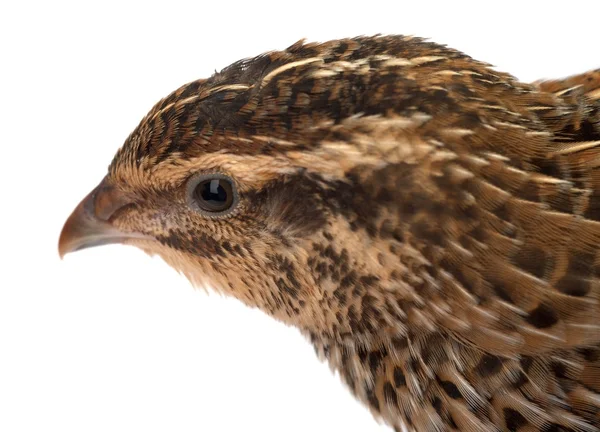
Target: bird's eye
x: 212, y: 194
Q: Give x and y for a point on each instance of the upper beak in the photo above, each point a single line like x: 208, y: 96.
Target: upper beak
x: 90, y: 223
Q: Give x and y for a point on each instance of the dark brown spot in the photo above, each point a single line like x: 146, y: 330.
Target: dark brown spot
x: 513, y: 419
x: 532, y: 260
x: 559, y: 369
x: 239, y: 251
x: 590, y: 354
x: 372, y: 398
x: 399, y: 343
x: 437, y: 404
x: 542, y: 317
x: 526, y: 362
x: 390, y: 394
x: 503, y: 212
x: 451, y: 389
x: 399, y: 378
x: 489, y: 365
x: 574, y: 285
x: 593, y: 209
x: 521, y: 380
x: 375, y: 358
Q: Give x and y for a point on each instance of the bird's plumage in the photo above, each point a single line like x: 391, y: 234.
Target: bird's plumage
x: 431, y: 224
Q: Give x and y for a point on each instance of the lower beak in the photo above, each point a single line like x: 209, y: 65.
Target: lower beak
x: 90, y: 223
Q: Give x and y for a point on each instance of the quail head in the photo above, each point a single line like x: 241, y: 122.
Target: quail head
x: 430, y: 224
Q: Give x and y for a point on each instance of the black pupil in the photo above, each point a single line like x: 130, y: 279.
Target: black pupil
x: 215, y: 194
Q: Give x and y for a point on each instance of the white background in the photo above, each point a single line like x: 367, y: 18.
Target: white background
x: 112, y: 340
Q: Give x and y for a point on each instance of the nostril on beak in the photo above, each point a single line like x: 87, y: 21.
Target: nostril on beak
x: 107, y: 200
x: 90, y: 224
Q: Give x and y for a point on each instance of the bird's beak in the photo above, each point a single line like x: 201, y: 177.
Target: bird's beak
x: 90, y: 223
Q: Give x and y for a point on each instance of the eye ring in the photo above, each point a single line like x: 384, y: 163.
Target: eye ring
x: 212, y: 194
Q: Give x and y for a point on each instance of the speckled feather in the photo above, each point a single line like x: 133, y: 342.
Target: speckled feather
x: 431, y: 224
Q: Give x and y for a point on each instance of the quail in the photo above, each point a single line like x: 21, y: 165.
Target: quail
x: 429, y: 223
